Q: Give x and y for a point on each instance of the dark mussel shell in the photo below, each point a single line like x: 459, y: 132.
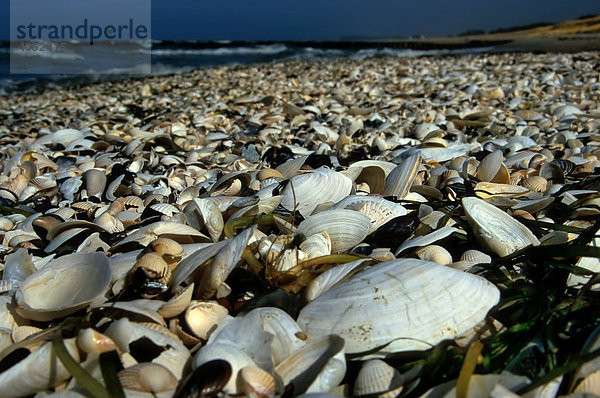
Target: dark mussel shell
x: 394, y: 232
x: 206, y: 381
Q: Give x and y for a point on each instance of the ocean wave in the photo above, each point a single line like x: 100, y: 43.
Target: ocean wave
x: 224, y: 51
x: 62, y: 55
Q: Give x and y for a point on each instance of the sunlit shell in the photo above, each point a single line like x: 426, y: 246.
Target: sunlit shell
x: 393, y: 306
x: 434, y: 253
x: 346, y: 228
x: 377, y: 377
x: 203, y: 318
x: 147, y: 377
x: 496, y: 230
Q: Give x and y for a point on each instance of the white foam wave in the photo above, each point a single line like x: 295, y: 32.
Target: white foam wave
x: 224, y: 51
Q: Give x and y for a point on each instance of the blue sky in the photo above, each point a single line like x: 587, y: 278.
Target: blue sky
x: 335, y: 19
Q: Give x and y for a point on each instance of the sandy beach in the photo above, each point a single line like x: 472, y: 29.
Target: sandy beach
x: 298, y: 215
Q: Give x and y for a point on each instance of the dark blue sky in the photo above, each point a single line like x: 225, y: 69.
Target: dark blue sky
x: 335, y: 19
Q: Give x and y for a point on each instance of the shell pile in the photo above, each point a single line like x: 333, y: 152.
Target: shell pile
x: 257, y: 230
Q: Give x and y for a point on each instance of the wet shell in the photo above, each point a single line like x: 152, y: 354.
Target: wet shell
x: 394, y: 306
x: 346, y: 228
x: 496, y: 230
x: 377, y: 377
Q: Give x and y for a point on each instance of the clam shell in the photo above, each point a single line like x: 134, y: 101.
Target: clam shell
x: 378, y: 209
x: 496, y: 230
x: 37, y: 372
x: 317, y: 367
x: 330, y: 278
x: 401, y: 178
x: 346, y: 228
x: 316, y: 245
x: 305, y: 192
x: 394, y: 306
x: 63, y: 286
x: 236, y: 358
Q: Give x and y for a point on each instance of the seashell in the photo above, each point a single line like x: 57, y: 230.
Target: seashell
x: 475, y: 257
x: 428, y: 239
x: 589, y: 385
x: 214, y: 275
x: 205, y: 213
x: 400, y: 179
x: 346, y: 228
x: 37, y: 372
x: 535, y: 183
x: 90, y: 341
x: 147, y: 377
x: 371, y: 172
x: 236, y: 358
x: 316, y: 245
x: 377, y: 377
x: 378, y: 209
x: 20, y: 333
x: 63, y: 286
x: 434, y: 253
x: 404, y: 312
x: 317, y: 367
x: 489, y: 189
x: 496, y: 230
x: 254, y: 382
x: 534, y: 205
x: 265, y: 174
x: 203, y: 318
x: 489, y: 167
x: 422, y: 130
x: 108, y: 222
x: 164, y: 208
x: 177, y: 304
x: 178, y: 232
x: 330, y: 278
x: 95, y: 181
x: 231, y: 184
x: 305, y: 192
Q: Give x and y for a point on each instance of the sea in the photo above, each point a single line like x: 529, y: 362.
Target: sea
x: 168, y: 57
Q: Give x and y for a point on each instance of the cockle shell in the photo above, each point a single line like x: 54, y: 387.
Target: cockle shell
x: 377, y: 377
x: 316, y: 245
x: 203, y: 317
x: 254, y: 382
x: 63, y: 286
x: 434, y: 253
x: 496, y: 230
x: 394, y: 306
x: 378, y: 209
x: 147, y: 377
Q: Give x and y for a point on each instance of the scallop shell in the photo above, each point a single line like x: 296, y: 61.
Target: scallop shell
x: 346, y: 228
x: 496, y: 230
x: 305, y: 192
x: 63, y: 286
x: 393, y: 306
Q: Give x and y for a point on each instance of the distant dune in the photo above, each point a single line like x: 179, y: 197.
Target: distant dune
x: 590, y: 24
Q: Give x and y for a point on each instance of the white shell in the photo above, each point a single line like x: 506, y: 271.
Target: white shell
x: 63, y: 286
x: 316, y: 245
x: 399, y: 181
x: 378, y: 209
x: 203, y: 317
x: 394, y: 305
x: 38, y: 371
x: 496, y: 230
x: 330, y: 278
x: 346, y: 228
x: 305, y: 192
x: 324, y: 357
x: 377, y: 377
